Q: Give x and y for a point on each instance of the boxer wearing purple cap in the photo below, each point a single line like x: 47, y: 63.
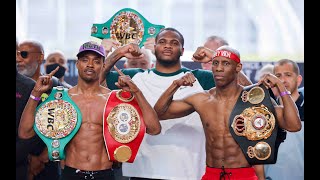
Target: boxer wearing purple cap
x: 86, y: 154
x: 90, y: 46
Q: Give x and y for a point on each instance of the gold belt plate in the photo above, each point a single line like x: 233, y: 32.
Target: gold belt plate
x: 255, y: 123
x: 127, y: 24
x: 124, y: 123
x: 122, y: 153
x: 56, y: 119
x: 255, y: 95
x: 261, y: 151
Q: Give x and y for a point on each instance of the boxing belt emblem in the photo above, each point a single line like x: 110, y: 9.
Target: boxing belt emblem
x: 57, y: 120
x: 123, y: 126
x: 126, y: 26
x: 253, y: 125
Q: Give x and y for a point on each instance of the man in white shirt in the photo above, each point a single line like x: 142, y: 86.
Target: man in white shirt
x: 171, y: 154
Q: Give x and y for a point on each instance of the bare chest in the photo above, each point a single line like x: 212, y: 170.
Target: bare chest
x: 91, y: 108
x: 215, y: 115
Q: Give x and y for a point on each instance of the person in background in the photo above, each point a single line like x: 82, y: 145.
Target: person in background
x: 301, y: 90
x: 30, y: 56
x: 149, y: 44
x: 144, y: 62
x: 266, y: 69
x: 24, y: 86
x: 29, y: 59
x: 290, y: 161
x: 213, y: 42
x: 54, y: 59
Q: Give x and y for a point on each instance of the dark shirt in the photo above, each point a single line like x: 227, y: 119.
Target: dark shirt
x: 282, y: 134
x: 34, y: 145
x: 24, y: 86
x: 300, y: 105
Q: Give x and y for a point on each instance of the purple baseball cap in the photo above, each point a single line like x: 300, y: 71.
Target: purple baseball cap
x: 89, y: 46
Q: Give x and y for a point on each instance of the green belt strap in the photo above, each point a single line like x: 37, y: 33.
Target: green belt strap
x: 125, y: 26
x: 57, y: 120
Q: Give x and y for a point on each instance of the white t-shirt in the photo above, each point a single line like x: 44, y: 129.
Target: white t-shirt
x: 290, y: 161
x: 178, y: 152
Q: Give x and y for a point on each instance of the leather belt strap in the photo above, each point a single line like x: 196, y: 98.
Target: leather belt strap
x: 123, y: 126
x: 254, y: 126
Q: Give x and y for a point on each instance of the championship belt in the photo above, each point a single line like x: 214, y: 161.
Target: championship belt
x: 126, y: 26
x: 123, y: 126
x: 57, y: 120
x: 253, y: 125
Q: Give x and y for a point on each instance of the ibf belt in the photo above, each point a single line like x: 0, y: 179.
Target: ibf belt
x: 123, y: 126
x: 57, y: 120
x: 253, y: 125
x: 126, y: 26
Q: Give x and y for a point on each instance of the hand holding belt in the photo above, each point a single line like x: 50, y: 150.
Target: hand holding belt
x: 253, y: 125
x: 123, y: 126
x: 126, y: 26
x: 57, y: 120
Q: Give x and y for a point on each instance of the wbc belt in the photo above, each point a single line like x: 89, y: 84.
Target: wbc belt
x: 57, y: 120
x: 253, y: 125
x: 123, y: 126
x: 126, y: 26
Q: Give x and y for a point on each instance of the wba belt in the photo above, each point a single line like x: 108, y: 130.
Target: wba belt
x: 57, y: 120
x: 123, y: 126
x: 253, y: 125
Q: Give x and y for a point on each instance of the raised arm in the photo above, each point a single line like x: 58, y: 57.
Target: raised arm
x: 167, y: 108
x: 287, y: 113
x: 129, y: 50
x: 204, y: 55
x: 43, y: 84
x: 109, y: 44
x: 149, y: 44
x: 149, y: 115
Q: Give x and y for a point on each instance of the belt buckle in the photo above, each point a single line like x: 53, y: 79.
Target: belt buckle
x: 255, y: 123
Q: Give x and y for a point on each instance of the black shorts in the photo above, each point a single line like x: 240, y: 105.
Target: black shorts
x: 69, y: 173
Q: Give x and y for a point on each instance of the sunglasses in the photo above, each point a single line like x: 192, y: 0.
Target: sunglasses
x: 24, y: 54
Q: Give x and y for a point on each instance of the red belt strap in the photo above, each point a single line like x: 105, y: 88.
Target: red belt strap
x: 123, y: 126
